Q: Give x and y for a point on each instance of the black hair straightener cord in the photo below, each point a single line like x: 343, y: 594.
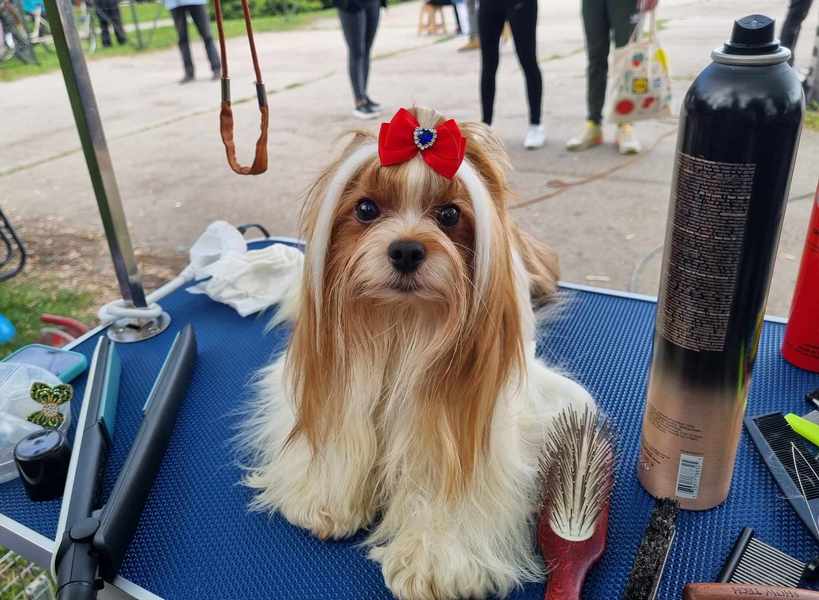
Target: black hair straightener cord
x: 91, y: 539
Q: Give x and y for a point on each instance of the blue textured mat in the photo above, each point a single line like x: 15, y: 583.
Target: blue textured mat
x: 196, y: 540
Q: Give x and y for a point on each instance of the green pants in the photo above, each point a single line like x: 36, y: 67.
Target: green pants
x: 602, y: 21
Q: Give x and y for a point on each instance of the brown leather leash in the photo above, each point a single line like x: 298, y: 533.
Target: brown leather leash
x: 226, y: 114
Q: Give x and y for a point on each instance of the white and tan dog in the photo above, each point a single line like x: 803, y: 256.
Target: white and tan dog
x: 410, y: 401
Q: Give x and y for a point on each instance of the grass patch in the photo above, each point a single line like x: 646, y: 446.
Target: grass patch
x: 23, y: 301
x: 162, y: 38
x: 146, y: 12
x: 812, y: 119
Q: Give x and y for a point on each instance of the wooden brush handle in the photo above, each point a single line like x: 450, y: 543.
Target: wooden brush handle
x: 568, y: 562
x: 738, y: 591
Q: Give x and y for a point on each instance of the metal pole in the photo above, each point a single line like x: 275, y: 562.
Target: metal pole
x: 86, y: 115
x: 140, y: 45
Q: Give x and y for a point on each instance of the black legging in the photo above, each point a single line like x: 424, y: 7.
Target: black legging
x: 522, y: 16
x: 359, y: 27
x: 797, y: 11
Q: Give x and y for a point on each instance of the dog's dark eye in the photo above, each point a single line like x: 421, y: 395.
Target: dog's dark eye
x: 448, y: 215
x: 366, y: 210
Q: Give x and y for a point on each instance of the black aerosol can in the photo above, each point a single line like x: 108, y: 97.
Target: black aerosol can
x: 739, y: 129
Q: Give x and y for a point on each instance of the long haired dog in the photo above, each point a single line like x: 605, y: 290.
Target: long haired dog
x: 410, y: 401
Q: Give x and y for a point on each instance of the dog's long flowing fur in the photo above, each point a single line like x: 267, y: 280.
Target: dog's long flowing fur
x: 424, y: 407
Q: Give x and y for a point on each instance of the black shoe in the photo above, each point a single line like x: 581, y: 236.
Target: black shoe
x: 365, y: 111
x: 373, y: 104
x: 186, y: 79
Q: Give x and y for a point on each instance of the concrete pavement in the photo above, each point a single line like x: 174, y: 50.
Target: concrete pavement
x: 607, y: 228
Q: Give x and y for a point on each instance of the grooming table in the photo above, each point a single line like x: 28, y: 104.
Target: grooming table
x: 196, y: 540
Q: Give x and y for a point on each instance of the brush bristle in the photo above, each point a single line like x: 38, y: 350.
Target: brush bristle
x: 578, y: 467
x: 653, y: 551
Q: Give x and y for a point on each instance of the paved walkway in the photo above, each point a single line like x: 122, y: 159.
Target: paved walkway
x: 171, y: 170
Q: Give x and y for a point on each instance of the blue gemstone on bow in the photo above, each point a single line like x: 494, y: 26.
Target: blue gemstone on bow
x: 424, y: 137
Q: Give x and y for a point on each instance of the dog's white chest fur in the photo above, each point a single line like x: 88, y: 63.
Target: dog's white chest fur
x: 375, y: 475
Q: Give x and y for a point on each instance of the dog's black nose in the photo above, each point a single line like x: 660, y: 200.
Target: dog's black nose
x: 406, y: 255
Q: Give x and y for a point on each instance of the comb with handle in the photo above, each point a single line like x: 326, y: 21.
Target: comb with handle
x: 791, y: 461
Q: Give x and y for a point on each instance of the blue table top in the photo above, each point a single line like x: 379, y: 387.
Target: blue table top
x: 196, y: 539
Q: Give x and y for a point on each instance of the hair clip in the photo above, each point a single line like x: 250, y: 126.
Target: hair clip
x: 51, y: 398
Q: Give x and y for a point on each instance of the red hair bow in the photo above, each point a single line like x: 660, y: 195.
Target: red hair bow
x: 442, y: 148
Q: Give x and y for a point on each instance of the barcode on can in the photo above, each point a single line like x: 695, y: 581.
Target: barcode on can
x: 688, y: 476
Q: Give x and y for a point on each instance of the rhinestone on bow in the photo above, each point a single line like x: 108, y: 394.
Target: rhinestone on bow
x: 424, y: 138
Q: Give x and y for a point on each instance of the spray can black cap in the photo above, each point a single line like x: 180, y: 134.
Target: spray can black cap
x: 753, y: 43
x: 753, y: 34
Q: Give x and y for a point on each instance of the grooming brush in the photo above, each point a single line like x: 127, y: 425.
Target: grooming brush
x: 578, y: 484
x: 791, y: 461
x: 649, y: 563
x: 753, y: 562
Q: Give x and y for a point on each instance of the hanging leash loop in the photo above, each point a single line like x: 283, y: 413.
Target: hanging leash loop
x: 226, y: 114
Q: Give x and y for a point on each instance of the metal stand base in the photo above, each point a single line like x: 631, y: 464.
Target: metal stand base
x: 130, y: 330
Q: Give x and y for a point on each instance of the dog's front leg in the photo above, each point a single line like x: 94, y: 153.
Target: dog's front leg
x: 328, y: 490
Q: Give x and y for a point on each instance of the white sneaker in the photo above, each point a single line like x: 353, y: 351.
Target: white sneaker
x: 626, y: 142
x: 535, y: 137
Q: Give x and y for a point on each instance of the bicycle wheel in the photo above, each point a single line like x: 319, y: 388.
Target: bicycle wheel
x: 40, y: 32
x: 85, y: 27
x: 23, y: 48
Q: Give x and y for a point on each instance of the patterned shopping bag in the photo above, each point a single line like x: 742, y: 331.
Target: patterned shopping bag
x: 641, y: 84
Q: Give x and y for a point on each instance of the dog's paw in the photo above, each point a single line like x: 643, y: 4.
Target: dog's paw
x: 322, y: 518
x: 420, y: 566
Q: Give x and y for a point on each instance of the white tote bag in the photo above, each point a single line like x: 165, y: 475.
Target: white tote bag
x: 641, y: 84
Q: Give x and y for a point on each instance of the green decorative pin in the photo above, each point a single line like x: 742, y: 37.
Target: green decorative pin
x: 51, y: 398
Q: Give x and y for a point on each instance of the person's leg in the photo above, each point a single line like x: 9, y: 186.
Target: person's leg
x: 199, y: 14
x: 116, y: 22
x: 491, y: 17
x: 180, y: 21
x: 623, y: 17
x: 797, y: 11
x: 472, y: 14
x: 372, y: 13
x: 472, y: 11
x: 353, y: 26
x: 102, y: 9
x: 523, y: 20
x: 597, y: 28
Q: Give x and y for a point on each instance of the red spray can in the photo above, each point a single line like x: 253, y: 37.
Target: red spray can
x: 801, y: 344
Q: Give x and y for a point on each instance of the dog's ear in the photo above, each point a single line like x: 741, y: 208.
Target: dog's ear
x: 486, y: 153
x: 541, y: 263
x: 315, y: 193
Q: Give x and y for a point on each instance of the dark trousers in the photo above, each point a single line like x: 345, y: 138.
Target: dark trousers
x: 522, y: 17
x: 602, y: 21
x: 108, y: 15
x: 199, y: 15
x: 359, y: 27
x: 797, y: 11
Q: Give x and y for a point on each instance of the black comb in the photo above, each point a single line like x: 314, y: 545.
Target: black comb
x: 778, y: 444
x: 753, y: 562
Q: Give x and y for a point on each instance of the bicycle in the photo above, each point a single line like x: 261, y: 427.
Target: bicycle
x: 39, y: 32
x: 14, y: 41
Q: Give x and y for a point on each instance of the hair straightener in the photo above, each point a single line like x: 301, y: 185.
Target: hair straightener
x: 91, y: 538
